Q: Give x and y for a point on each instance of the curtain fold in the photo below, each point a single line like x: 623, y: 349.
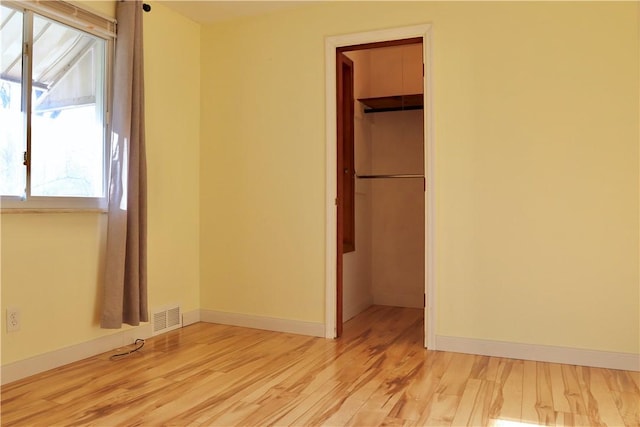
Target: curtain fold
x: 125, y: 280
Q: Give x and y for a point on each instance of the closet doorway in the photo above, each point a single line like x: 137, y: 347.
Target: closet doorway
x: 380, y: 170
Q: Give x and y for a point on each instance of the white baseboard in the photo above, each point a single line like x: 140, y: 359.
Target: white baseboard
x: 573, y: 356
x: 190, y: 317
x: 266, y: 323
x: 54, y: 359
x: 541, y: 353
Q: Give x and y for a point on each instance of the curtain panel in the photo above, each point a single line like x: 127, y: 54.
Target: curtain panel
x: 125, y: 280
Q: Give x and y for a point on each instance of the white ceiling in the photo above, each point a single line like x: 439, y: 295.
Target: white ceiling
x: 208, y: 11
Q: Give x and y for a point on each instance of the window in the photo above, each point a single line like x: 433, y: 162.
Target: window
x: 54, y: 80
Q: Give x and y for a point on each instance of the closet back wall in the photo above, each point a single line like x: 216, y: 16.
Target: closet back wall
x: 397, y: 209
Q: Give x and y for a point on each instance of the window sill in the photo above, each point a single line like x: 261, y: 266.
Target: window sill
x: 10, y: 204
x: 4, y: 211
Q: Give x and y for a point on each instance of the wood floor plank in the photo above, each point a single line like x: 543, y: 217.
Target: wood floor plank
x: 306, y: 408
x: 635, y: 377
x: 482, y: 405
x: 529, y: 392
x: 377, y: 374
x: 441, y: 411
x: 572, y: 390
x: 418, y: 391
x: 507, y: 399
x: 429, y: 375
x: 267, y: 411
x: 454, y: 380
x: 474, y: 406
x: 386, y: 396
x: 616, y: 382
x: 367, y: 418
x: 560, y: 402
x: 593, y: 412
x: 624, y: 382
x: 628, y: 405
x: 28, y: 410
x: 601, y: 406
x: 395, y: 422
x: 483, y: 368
x: 84, y: 411
x: 467, y: 401
x: 571, y: 419
x: 544, y: 394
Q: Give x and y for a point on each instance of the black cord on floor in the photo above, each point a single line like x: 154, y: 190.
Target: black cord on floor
x: 139, y: 340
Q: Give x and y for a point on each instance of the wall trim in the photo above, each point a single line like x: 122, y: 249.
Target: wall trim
x: 190, y: 317
x: 540, y: 353
x: 543, y: 353
x: 260, y: 322
x: 53, y: 359
x: 331, y: 43
x: 56, y: 358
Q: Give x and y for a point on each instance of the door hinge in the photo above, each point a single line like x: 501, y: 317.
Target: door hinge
x: 423, y: 70
x: 25, y: 159
x: 336, y: 201
x: 424, y: 300
x: 25, y: 49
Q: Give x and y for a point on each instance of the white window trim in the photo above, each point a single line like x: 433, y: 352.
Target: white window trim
x: 13, y: 203
x: 104, y: 28
x: 69, y: 14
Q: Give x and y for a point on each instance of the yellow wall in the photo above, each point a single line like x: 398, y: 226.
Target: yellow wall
x: 536, y: 125
x: 51, y: 266
x: 262, y: 168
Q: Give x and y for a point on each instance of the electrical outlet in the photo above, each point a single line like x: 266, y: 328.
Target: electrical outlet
x: 13, y: 319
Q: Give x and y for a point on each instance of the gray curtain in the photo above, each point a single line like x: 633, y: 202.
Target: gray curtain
x: 125, y: 281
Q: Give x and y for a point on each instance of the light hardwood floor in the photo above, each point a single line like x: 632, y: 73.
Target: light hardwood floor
x: 378, y: 373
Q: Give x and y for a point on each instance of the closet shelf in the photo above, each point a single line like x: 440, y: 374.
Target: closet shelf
x: 392, y: 103
x: 393, y: 175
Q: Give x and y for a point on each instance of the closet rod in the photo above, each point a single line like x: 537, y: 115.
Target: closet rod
x: 398, y: 175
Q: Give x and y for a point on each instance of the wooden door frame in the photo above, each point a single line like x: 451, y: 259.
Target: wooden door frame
x: 331, y: 213
x: 345, y: 174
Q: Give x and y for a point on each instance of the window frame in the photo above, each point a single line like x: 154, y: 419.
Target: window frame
x: 98, y: 26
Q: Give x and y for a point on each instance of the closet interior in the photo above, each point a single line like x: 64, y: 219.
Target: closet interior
x: 387, y: 265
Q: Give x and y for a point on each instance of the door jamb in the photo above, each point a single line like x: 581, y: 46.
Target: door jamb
x: 331, y: 44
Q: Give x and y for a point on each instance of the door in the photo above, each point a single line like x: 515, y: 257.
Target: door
x: 345, y: 172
